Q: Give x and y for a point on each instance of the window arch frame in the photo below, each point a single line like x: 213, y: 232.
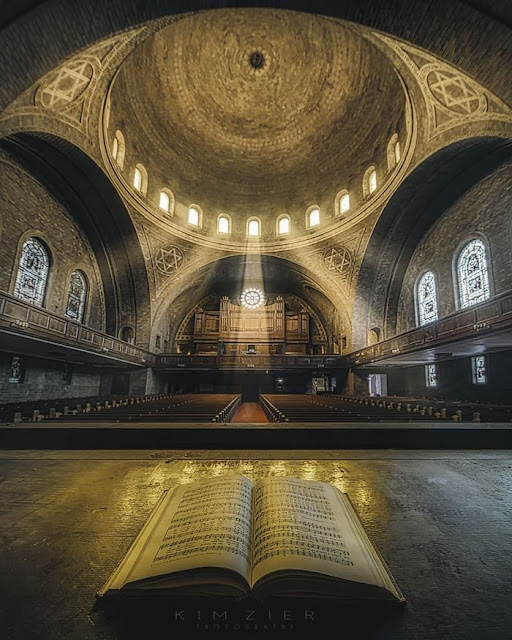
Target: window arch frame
x: 309, y: 211
x: 170, y: 199
x: 417, y: 301
x: 84, y: 301
x: 458, y: 284
x: 17, y: 272
x: 144, y: 179
x: 119, y: 154
x: 340, y: 198
x: 367, y: 192
x: 248, y: 226
x: 197, y: 208
x: 227, y: 217
x: 393, y: 151
x: 279, y: 219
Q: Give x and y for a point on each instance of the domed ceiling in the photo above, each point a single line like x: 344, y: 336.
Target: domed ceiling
x: 252, y: 111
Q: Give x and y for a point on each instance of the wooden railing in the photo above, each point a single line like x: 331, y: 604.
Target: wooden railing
x: 495, y: 314
x: 174, y: 361
x: 27, y: 319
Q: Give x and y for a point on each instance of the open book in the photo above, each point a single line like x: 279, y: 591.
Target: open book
x: 227, y: 536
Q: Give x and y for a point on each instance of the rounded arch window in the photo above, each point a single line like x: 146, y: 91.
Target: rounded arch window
x: 426, y: 299
x: 342, y: 202
x: 195, y: 217
x: 374, y: 336
x: 33, y: 272
x: 369, y: 181
x: 283, y: 225
x: 473, y: 274
x: 127, y: 334
x: 223, y: 224
x: 77, y: 296
x: 393, y: 151
x: 312, y: 217
x: 140, y: 179
x: 253, y: 227
x: 166, y: 200
x: 118, y: 149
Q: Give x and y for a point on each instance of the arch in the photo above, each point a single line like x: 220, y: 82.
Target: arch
x: 283, y: 225
x: 166, y: 201
x: 472, y: 274
x: 127, y: 334
x: 369, y: 181
x: 413, y: 209
x: 425, y: 293
x: 224, y: 224
x: 393, y: 151
x: 195, y: 216
x: 76, y: 181
x: 374, y: 336
x: 119, y: 149
x: 342, y: 203
x: 312, y: 217
x: 33, y: 272
x: 140, y: 179
x: 253, y: 227
x: 77, y: 296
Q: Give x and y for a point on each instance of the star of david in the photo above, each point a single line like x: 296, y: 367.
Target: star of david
x: 337, y: 260
x: 169, y: 259
x: 454, y: 93
x: 68, y: 84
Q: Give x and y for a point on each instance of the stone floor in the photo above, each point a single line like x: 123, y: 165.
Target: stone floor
x: 442, y: 520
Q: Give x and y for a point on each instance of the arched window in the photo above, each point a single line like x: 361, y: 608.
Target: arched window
x: 283, y: 225
x: 313, y: 217
x: 77, y: 295
x: 127, y: 334
x: 373, y: 336
x: 473, y: 274
x: 426, y: 299
x: 341, y: 203
x: 118, y: 149
x: 194, y: 215
x: 140, y: 179
x: 223, y: 224
x: 393, y: 153
x: 33, y: 272
x: 253, y: 227
x: 344, y: 203
x: 369, y: 181
x: 166, y: 201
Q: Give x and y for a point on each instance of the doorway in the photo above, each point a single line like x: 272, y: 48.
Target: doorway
x: 378, y: 384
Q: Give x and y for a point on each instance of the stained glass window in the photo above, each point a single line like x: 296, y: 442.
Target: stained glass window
x: 431, y: 375
x: 426, y: 298
x: 33, y: 271
x: 472, y: 274
x: 479, y: 369
x: 77, y: 294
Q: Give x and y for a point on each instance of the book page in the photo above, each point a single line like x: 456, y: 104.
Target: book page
x: 305, y: 525
x: 205, y: 524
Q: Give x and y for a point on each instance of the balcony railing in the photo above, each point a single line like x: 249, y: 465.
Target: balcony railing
x: 493, y: 315
x: 33, y: 321
x: 172, y: 361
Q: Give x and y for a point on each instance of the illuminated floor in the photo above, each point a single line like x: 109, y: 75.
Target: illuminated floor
x: 441, y: 519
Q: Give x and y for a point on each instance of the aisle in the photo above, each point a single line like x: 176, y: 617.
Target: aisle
x: 249, y: 412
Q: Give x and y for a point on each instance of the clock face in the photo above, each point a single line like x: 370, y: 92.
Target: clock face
x: 252, y: 298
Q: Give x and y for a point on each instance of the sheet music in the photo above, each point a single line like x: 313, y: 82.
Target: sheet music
x: 300, y: 525
x: 207, y: 525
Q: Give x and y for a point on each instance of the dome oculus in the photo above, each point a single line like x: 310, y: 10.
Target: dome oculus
x: 252, y: 298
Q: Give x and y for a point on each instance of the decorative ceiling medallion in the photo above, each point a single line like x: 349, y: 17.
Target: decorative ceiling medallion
x: 452, y: 92
x: 252, y: 298
x: 169, y: 259
x: 339, y: 260
x: 257, y: 59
